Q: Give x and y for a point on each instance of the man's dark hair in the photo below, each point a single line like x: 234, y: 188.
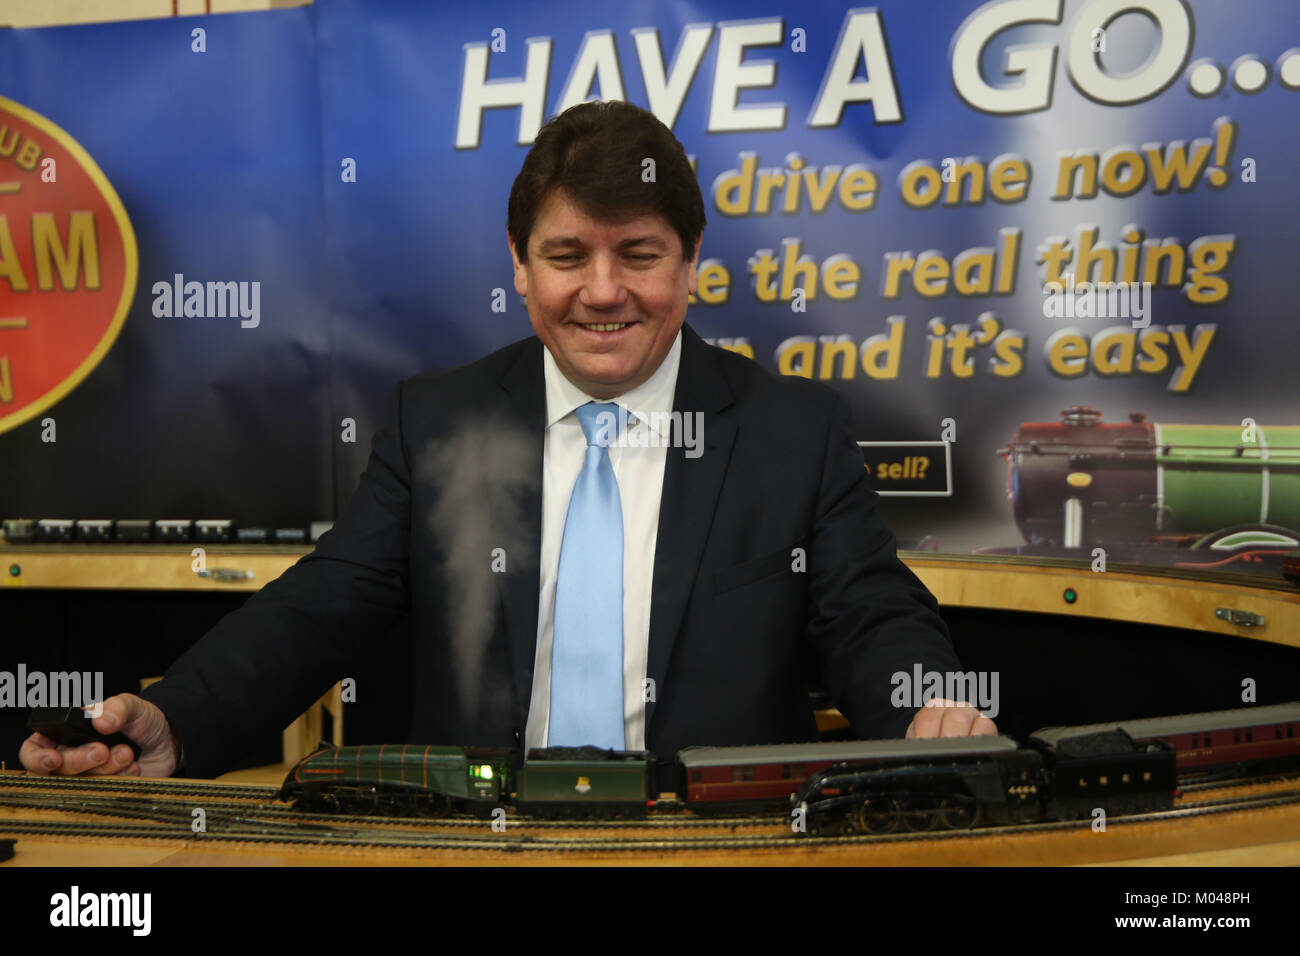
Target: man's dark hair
x: 595, y: 153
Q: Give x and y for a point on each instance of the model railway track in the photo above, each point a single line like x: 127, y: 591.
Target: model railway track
x: 221, y: 794
x: 138, y: 785
x: 145, y: 808
x: 1220, y: 783
x: 266, y: 793
x: 166, y: 811
x: 360, y: 837
x: 86, y: 795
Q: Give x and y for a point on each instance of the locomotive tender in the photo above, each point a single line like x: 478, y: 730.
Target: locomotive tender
x: 1250, y: 739
x: 873, y: 786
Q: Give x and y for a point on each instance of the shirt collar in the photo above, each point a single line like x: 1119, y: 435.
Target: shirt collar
x: 655, y: 394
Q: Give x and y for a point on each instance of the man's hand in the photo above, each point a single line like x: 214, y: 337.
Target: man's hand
x: 140, y: 720
x: 946, y: 718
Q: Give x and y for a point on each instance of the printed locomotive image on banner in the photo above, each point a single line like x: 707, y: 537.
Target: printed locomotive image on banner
x: 68, y: 264
x: 1159, y: 492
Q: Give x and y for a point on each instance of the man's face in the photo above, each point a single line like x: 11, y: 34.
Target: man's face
x: 607, y: 298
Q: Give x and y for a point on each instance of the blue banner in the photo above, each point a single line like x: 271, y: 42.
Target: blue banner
x: 967, y: 217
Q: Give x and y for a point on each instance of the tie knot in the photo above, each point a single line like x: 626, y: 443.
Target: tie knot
x: 601, y: 422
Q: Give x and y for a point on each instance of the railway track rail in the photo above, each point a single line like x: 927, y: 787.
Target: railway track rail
x: 370, y: 832
x: 1198, y: 785
x: 146, y: 807
x: 100, y: 784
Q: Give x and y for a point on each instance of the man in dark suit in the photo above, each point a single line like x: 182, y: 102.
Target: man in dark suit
x: 738, y: 537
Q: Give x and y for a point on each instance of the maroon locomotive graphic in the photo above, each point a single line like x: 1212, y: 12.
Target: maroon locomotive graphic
x: 1202, y: 494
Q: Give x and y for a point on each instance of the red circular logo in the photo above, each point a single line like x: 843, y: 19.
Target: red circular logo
x: 68, y: 264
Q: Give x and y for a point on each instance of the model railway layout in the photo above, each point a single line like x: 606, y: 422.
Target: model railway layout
x: 156, y: 815
x: 449, y: 798
x: 877, y: 786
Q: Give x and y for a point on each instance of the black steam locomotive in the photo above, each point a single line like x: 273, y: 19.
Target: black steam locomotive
x: 955, y: 784
x: 1129, y: 766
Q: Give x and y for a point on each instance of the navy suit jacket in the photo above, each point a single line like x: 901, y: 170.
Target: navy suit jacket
x: 446, y: 523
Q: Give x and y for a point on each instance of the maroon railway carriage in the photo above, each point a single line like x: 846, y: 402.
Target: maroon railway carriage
x: 1220, y: 741
x: 726, y: 776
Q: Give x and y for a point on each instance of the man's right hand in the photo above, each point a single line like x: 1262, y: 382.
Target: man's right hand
x: 134, y: 716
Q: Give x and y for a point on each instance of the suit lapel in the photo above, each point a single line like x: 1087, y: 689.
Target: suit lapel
x: 690, y: 494
x: 516, y: 503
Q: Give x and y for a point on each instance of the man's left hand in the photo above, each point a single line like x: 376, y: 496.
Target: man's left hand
x: 946, y: 718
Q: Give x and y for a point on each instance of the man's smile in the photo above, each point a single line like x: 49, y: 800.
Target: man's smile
x: 604, y: 330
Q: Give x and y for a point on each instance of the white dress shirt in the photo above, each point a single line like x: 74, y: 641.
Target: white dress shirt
x: 640, y: 474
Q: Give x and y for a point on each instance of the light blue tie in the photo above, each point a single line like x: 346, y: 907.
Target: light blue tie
x: 587, y: 651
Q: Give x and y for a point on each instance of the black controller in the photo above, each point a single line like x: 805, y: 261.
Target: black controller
x: 70, y: 727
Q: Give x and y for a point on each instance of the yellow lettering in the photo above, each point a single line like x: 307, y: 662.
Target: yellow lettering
x: 1008, y: 180
x: 29, y: 155
x: 922, y: 185
x: 931, y: 275
x: 840, y: 279
x: 769, y: 180
x: 715, y: 283
x: 1067, y: 355
x: 819, y: 195
x: 1067, y: 163
x: 973, y: 170
x: 81, y: 250
x: 797, y: 359
x: 1123, y: 173
x: 1153, y: 343
x: 1112, y: 351
x: 1008, y: 347
x: 895, y: 265
x: 10, y: 267
x: 846, y: 351
x: 858, y: 189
